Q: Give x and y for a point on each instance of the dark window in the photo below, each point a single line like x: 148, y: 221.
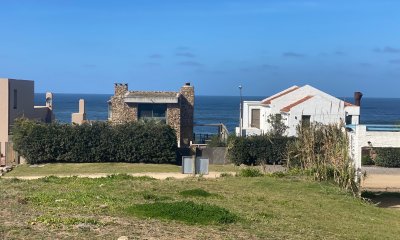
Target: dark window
x: 348, y: 119
x: 15, y: 98
x: 305, y: 120
x: 255, y: 118
x: 152, y: 111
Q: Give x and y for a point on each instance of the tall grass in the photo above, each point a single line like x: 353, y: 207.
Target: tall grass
x: 323, y: 151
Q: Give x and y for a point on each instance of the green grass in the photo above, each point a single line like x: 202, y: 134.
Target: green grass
x: 198, y: 192
x: 70, y: 169
x: 265, y: 208
x: 188, y: 212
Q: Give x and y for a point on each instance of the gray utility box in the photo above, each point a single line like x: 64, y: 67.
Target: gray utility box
x: 200, y: 165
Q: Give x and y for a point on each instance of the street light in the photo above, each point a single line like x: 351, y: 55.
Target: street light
x: 241, y: 111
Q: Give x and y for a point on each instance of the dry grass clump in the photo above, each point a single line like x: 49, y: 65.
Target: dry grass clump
x: 323, y: 151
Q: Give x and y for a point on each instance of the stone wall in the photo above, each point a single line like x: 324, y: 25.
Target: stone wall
x: 174, y: 119
x: 122, y: 112
x: 187, y: 112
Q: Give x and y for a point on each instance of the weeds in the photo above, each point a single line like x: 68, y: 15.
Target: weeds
x: 250, y: 172
x: 188, y: 212
x: 323, y: 150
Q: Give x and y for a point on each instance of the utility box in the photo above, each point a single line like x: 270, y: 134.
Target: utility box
x: 200, y: 165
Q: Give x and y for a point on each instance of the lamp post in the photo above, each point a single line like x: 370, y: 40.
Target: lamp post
x: 241, y: 111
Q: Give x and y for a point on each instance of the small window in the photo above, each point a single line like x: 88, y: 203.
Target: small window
x: 348, y: 119
x: 305, y: 120
x: 255, y: 118
x: 15, y: 98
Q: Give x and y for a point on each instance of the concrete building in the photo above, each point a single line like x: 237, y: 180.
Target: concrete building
x: 173, y: 108
x: 296, y: 104
x: 79, y: 117
x: 17, y: 100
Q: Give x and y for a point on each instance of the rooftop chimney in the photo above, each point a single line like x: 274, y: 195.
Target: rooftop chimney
x: 357, y: 98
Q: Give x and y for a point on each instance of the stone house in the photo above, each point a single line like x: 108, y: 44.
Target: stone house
x: 173, y: 108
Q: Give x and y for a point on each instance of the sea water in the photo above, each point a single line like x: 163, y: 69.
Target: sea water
x: 212, y: 109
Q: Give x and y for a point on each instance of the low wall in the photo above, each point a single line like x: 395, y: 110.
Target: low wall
x: 216, y: 155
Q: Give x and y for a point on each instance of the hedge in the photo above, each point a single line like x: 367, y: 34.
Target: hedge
x: 139, y: 142
x: 387, y: 157
x: 258, y: 149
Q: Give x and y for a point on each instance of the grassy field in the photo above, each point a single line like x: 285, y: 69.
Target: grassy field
x: 98, y: 168
x: 193, y: 208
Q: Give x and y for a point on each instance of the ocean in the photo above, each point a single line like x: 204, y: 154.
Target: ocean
x: 212, y: 109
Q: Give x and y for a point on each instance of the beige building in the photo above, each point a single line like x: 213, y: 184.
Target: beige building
x: 173, y: 108
x: 17, y: 100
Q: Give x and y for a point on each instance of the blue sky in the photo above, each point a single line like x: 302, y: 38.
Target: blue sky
x: 86, y: 46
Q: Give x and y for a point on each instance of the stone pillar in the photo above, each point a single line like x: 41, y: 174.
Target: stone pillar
x: 174, y: 119
x: 187, y: 114
x: 80, y: 117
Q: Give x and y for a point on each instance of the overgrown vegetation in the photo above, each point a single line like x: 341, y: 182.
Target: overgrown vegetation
x: 278, y: 127
x: 323, y: 151
x: 387, y: 157
x: 258, y: 149
x: 139, y: 142
x: 250, y: 172
x: 266, y: 208
x: 188, y: 212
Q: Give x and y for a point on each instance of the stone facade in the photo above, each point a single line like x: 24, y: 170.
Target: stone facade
x: 123, y: 107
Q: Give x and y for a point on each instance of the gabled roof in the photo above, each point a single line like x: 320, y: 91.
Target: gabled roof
x: 289, y: 90
x: 288, y: 107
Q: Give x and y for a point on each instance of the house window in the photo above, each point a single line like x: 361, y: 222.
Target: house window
x: 255, y: 118
x: 348, y: 119
x: 305, y: 120
x: 152, y: 112
x: 15, y: 98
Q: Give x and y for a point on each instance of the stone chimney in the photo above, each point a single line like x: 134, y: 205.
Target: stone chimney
x: 357, y: 98
x: 120, y: 89
x: 187, y: 113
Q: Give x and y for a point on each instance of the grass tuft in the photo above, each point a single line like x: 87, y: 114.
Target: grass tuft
x: 250, y: 172
x: 56, y: 221
x: 187, y: 212
x: 197, y: 192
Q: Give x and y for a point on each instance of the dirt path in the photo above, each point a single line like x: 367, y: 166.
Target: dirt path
x: 382, y: 179
x: 160, y: 176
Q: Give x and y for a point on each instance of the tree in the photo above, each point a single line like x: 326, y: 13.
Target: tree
x: 278, y: 127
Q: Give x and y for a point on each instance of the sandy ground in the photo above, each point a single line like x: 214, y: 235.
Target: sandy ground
x: 382, y: 179
x: 160, y: 176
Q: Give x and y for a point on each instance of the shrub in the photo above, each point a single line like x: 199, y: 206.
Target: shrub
x: 388, y: 157
x: 146, y: 142
x: 188, y: 212
x: 250, y: 172
x: 323, y: 151
x: 367, y: 160
x: 257, y: 149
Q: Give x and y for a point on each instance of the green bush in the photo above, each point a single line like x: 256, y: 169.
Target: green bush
x: 137, y: 142
x: 250, y: 172
x: 258, y: 149
x: 387, y: 157
x: 367, y: 160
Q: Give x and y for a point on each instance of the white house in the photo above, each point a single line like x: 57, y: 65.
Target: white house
x: 296, y: 104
